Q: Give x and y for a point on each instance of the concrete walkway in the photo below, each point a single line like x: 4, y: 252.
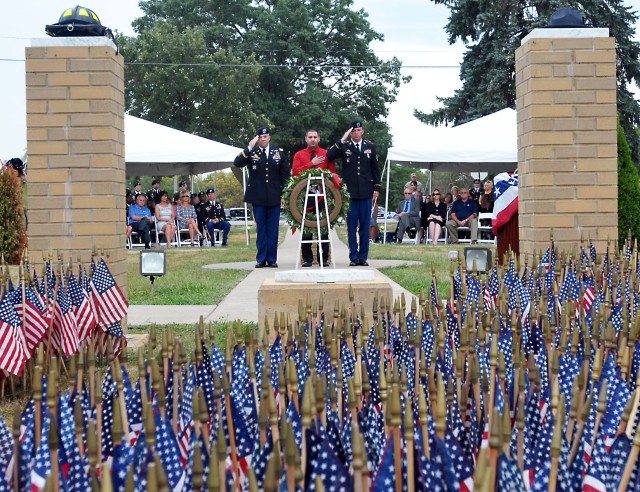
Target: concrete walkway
x: 242, y: 302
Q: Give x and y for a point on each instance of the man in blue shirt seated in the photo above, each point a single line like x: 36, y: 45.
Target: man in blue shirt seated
x: 140, y: 219
x: 464, y: 213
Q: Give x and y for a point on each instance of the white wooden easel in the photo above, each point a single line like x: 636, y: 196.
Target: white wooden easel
x: 316, y: 190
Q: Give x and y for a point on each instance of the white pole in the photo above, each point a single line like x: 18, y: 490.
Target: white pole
x: 246, y: 219
x: 387, y: 164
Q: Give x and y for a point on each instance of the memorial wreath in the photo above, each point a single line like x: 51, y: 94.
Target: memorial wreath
x: 294, y: 198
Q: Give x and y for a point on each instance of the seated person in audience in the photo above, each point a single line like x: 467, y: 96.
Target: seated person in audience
x: 202, y: 196
x: 214, y: 216
x: 373, y: 223
x: 187, y: 217
x: 464, y: 213
x: 137, y: 188
x: 166, y: 217
x: 193, y: 198
x: 423, y: 208
x: 140, y: 219
x: 408, y: 213
x: 455, y: 193
x: 129, y: 201
x: 413, y: 181
x: 448, y: 201
x: 476, y: 191
x: 436, y: 216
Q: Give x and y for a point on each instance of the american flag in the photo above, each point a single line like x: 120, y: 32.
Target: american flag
x: 12, y: 346
x: 167, y: 449
x: 65, y: 328
x: 111, y: 305
x: 35, y: 322
x: 82, y: 309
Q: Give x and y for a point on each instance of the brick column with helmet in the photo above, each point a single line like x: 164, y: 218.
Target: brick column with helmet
x: 75, y: 144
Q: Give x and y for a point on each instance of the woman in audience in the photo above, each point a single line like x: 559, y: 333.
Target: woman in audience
x: 166, y: 217
x: 436, y: 216
x: 485, y: 205
x: 187, y: 218
x: 454, y: 193
x: 485, y: 202
x: 448, y: 201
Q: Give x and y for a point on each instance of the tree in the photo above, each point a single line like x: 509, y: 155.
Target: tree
x: 312, y: 60
x: 13, y: 233
x: 628, y: 192
x: 491, y: 32
x: 228, y: 189
x: 171, y: 78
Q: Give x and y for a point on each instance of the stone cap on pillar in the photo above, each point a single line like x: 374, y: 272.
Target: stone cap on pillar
x: 567, y: 32
x: 72, y: 41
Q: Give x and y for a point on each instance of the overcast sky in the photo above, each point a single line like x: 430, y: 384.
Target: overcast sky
x: 413, y: 30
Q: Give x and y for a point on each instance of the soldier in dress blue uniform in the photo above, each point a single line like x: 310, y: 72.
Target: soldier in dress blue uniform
x: 214, y: 216
x: 268, y: 173
x: 361, y: 173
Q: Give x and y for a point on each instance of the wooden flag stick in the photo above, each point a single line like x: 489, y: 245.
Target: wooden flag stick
x: 631, y: 461
x: 232, y: 435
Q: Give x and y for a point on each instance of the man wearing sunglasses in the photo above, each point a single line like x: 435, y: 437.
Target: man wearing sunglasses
x: 408, y: 211
x: 464, y: 213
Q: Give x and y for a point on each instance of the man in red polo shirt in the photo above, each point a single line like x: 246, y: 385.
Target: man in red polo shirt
x: 313, y: 157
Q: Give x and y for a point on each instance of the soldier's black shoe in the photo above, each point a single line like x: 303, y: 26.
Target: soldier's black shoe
x: 272, y: 265
x: 306, y: 264
x: 354, y: 263
x: 261, y: 264
x: 363, y: 263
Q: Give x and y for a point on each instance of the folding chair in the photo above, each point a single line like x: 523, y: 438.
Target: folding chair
x: 485, y: 232
x: 134, y: 235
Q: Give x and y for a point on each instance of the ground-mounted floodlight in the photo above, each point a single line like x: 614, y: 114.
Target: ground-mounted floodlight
x: 153, y: 263
x: 481, y: 257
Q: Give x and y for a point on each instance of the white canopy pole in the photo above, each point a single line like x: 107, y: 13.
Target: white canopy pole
x: 387, y: 165
x: 246, y: 219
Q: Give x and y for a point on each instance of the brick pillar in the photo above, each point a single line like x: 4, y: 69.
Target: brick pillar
x: 75, y: 143
x: 567, y: 143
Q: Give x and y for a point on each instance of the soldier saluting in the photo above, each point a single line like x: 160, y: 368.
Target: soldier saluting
x: 268, y: 173
x: 361, y: 173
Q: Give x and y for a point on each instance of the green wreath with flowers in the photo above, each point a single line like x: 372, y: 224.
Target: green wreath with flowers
x: 294, y: 198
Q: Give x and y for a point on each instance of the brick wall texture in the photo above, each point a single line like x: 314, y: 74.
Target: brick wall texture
x: 75, y: 143
x: 567, y: 147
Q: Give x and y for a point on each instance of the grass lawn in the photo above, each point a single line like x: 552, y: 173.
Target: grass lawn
x: 186, y: 282
x: 416, y: 277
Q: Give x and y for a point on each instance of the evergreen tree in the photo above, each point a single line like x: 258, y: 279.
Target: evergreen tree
x: 491, y: 32
x: 628, y: 192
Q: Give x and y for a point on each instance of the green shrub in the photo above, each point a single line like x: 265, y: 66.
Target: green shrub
x: 628, y: 192
x: 13, y: 233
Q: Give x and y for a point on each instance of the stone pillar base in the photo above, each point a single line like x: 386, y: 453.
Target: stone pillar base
x: 276, y: 297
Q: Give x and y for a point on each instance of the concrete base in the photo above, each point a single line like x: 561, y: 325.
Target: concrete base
x: 276, y: 297
x: 136, y: 341
x: 325, y: 275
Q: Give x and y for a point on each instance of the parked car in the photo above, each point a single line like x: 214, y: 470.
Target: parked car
x: 238, y: 214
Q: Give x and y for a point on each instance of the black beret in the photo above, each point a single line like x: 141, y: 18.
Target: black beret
x: 193, y: 195
x: 263, y: 131
x: 201, y: 193
x: 183, y: 183
x: 356, y: 124
x: 211, y: 190
x: 137, y: 183
x: 155, y: 181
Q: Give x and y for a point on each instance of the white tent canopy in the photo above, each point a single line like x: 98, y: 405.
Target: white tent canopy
x: 156, y: 150
x: 488, y: 144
